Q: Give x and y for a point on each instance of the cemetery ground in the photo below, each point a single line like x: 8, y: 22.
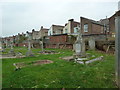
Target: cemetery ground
x: 60, y: 73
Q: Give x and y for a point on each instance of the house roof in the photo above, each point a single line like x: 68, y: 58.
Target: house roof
x: 44, y: 29
x: 75, y: 22
x: 58, y: 25
x: 117, y: 13
x: 104, y: 21
x: 93, y: 21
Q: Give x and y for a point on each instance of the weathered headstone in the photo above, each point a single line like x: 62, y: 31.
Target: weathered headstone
x: 92, y: 43
x: 41, y: 44
x: 6, y: 43
x: 29, y: 53
x: 117, y: 47
x: 80, y: 46
x: 1, y: 48
x: 12, y: 53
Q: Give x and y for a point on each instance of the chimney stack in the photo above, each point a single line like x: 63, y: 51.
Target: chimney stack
x: 41, y: 27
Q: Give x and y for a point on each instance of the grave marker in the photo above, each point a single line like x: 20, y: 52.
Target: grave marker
x: 11, y: 48
x: 80, y: 46
x: 92, y: 43
x: 29, y: 53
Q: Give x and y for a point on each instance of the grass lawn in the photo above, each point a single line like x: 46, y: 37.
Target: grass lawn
x: 60, y: 74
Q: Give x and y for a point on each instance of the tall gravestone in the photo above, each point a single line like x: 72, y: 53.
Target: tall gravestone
x: 92, y: 43
x: 79, y: 47
x: 41, y: 44
x: 6, y: 43
x: 42, y: 47
x: 117, y: 47
x: 29, y: 53
x: 12, y: 53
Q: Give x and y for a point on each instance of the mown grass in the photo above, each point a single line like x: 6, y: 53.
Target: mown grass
x: 60, y: 74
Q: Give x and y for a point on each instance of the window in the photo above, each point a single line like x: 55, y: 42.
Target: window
x: 85, y: 27
x: 66, y: 31
x: 75, y: 29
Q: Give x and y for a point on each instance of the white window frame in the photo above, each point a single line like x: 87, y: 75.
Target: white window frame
x: 85, y: 27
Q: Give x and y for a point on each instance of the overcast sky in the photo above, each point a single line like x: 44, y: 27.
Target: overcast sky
x: 18, y: 17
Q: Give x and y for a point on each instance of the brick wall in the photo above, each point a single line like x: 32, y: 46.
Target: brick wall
x: 93, y: 26
x: 97, y: 29
x: 58, y: 41
x: 112, y: 22
x: 85, y: 21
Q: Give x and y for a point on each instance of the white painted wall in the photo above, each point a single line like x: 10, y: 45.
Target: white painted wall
x: 50, y: 31
x: 64, y: 29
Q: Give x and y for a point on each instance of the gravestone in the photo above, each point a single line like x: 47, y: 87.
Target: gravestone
x: 1, y: 48
x: 41, y: 43
x: 117, y: 49
x: 12, y: 53
x: 6, y: 43
x: 80, y: 47
x: 92, y: 43
x: 29, y: 53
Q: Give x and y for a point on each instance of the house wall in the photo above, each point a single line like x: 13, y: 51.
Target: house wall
x: 58, y: 41
x: 97, y: 29
x: 55, y: 29
x: 112, y: 25
x: 43, y: 32
x: 50, y: 31
x: 36, y: 35
x: 70, y: 26
x: 85, y: 21
x: 64, y: 29
x: 93, y: 28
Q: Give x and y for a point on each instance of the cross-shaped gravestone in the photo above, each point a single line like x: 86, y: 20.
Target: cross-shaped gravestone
x: 117, y: 47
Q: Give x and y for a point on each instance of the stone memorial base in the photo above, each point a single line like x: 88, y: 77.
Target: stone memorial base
x: 83, y: 55
x: 82, y: 60
x: 86, y: 61
x: 67, y: 58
